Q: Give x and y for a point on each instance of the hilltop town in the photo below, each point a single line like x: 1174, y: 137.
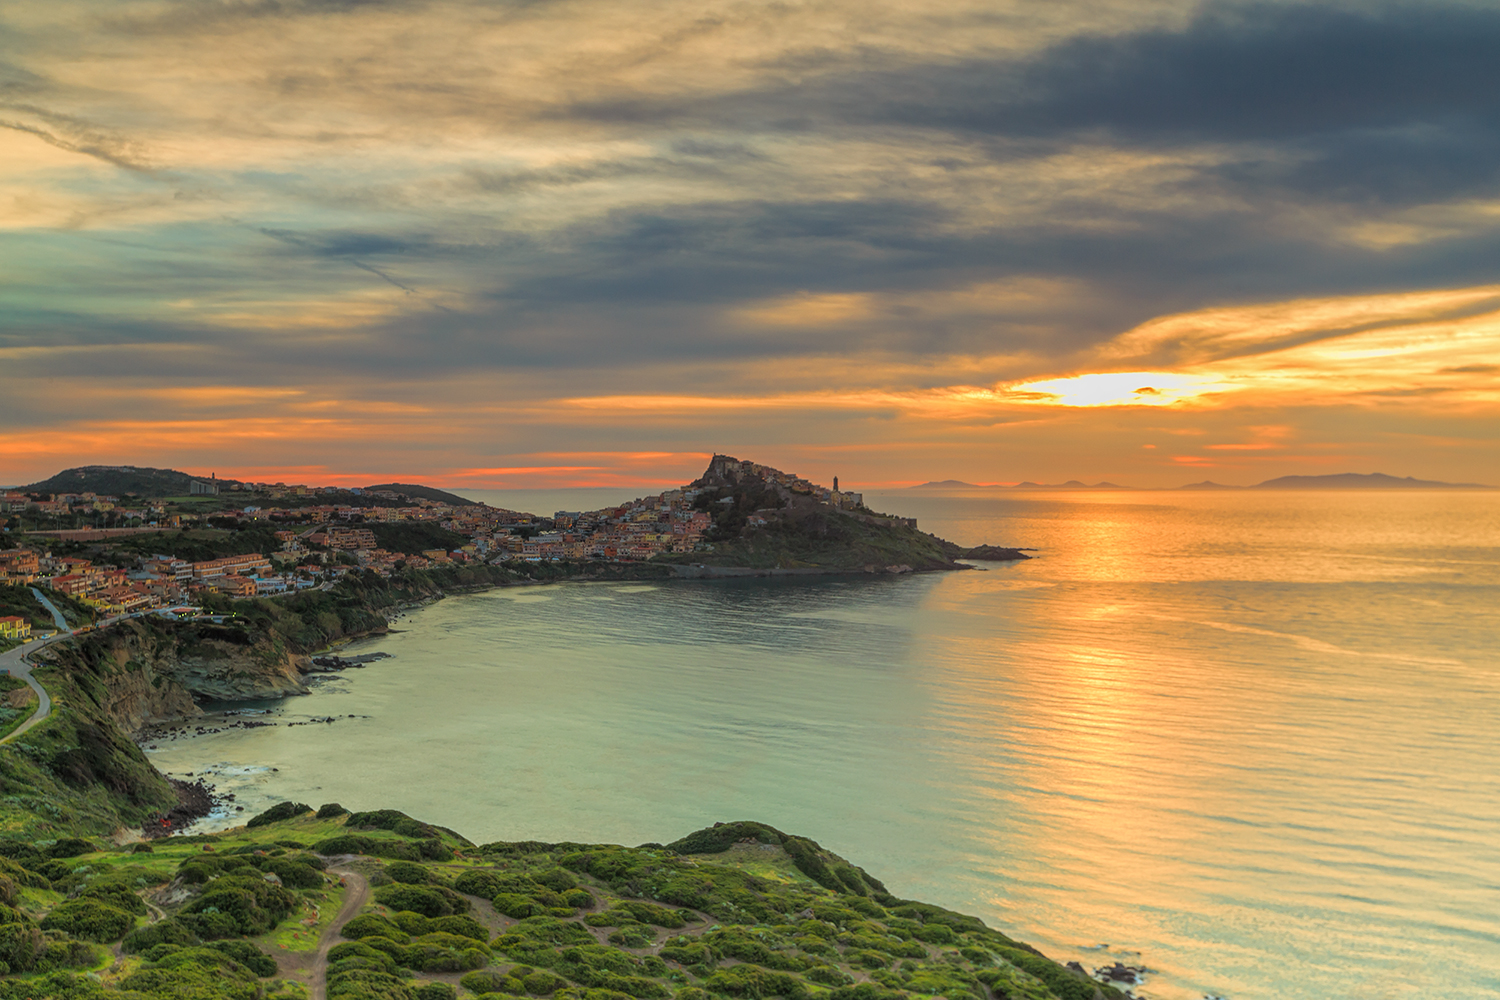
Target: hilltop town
x: 105, y: 555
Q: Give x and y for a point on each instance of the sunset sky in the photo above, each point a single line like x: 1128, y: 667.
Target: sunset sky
x: 529, y: 243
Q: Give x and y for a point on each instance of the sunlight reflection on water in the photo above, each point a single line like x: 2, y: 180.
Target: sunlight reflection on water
x: 1249, y: 737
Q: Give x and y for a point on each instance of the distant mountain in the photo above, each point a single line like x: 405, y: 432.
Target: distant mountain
x: 950, y: 484
x: 119, y: 480
x: 1208, y: 484
x: 419, y: 492
x: 1356, y: 481
x: 1071, y: 484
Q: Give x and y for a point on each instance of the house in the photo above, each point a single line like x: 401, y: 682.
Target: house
x: 13, y: 627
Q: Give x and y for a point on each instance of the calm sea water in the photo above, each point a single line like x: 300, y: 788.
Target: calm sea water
x: 1247, y: 740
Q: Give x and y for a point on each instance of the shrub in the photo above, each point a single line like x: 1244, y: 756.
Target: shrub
x: 89, y: 919
x: 444, y: 953
x: 462, y: 926
x: 253, y: 904
x: 358, y: 949
x: 542, y: 983
x: 477, y: 882
x: 66, y: 954
x: 165, y: 932
x: 520, y: 907
x: 331, y: 810
x: 558, y: 880
x: 293, y: 874
x: 579, y: 899
x: 405, y: 871
x: 935, y: 934
x: 650, y: 913
x: 433, y: 849
x: 434, y: 991
x: 687, y: 951
x: 867, y: 959
x: 71, y: 847
x: 117, y: 894
x: 633, y: 936
x: 24, y: 876
x: 553, y: 931
x: 370, y: 925
x: 487, y: 981
x: 418, y: 899
x: 142, y: 848
x: 366, y: 984
x: 827, y: 975
x: 249, y: 956
x: 280, y: 812
x: 755, y: 983
x: 21, y: 942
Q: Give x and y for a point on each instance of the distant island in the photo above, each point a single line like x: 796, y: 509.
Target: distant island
x: 1340, y: 481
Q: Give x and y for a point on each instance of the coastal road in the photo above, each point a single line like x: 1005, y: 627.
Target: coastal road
x: 57, y: 618
x: 14, y: 661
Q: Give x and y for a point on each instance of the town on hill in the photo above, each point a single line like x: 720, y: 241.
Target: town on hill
x: 118, y: 554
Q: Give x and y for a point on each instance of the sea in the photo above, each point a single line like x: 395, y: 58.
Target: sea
x: 1247, y: 741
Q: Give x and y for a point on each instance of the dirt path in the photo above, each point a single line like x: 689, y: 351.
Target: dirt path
x: 356, y: 897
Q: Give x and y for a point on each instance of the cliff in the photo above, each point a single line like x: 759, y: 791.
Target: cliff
x: 147, y: 669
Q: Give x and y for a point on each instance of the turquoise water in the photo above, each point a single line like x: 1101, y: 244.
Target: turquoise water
x: 1247, y: 740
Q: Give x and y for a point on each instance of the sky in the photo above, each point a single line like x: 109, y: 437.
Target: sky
x: 543, y: 243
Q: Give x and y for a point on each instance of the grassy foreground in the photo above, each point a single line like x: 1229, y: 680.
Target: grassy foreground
x: 378, y: 905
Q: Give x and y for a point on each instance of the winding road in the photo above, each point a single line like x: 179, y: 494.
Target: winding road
x: 15, y: 663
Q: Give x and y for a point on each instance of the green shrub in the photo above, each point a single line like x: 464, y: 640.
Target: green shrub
x: 21, y: 941
x: 688, y: 951
x: 827, y: 975
x: 935, y: 934
x: 434, y: 991
x: 115, y: 893
x: 405, y: 871
x: 366, y: 984
x: 579, y: 899
x: 89, y: 919
x: 867, y: 959
x: 331, y: 810
x: 553, y: 931
x: 25, y: 876
x: 633, y: 936
x: 66, y: 953
x: 489, y: 981
x: 542, y: 983
x: 142, y: 848
x: 558, y: 880
x: 249, y: 956
x: 418, y: 899
x: 650, y: 913
x: 253, y: 904
x: 477, y: 882
x: 71, y: 847
x: 278, y: 813
x: 370, y: 925
x: 412, y: 923
x: 462, y: 926
x: 293, y: 874
x: 358, y: 949
x: 520, y: 907
x: 755, y: 983
x: 164, y: 932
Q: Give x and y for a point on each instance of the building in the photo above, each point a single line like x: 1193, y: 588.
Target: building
x: 199, y: 488
x: 250, y: 564
x: 14, y: 627
x: 19, y: 566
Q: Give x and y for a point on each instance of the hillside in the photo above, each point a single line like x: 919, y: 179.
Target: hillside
x: 382, y: 906
x: 117, y: 480
x: 765, y: 519
x: 419, y: 492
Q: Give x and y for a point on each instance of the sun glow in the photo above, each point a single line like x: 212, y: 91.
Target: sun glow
x: 1117, y: 389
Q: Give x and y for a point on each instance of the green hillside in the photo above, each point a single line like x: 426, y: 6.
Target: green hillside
x: 382, y: 906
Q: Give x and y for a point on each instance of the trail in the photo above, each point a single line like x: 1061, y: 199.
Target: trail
x: 356, y: 897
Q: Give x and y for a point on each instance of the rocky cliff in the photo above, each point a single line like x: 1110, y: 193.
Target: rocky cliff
x: 147, y: 670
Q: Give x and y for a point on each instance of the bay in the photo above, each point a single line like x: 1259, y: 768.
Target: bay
x: 1245, y: 739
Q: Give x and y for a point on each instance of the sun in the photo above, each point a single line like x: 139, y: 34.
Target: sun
x: 1116, y: 389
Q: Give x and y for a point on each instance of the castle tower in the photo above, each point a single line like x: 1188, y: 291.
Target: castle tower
x: 835, y: 484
